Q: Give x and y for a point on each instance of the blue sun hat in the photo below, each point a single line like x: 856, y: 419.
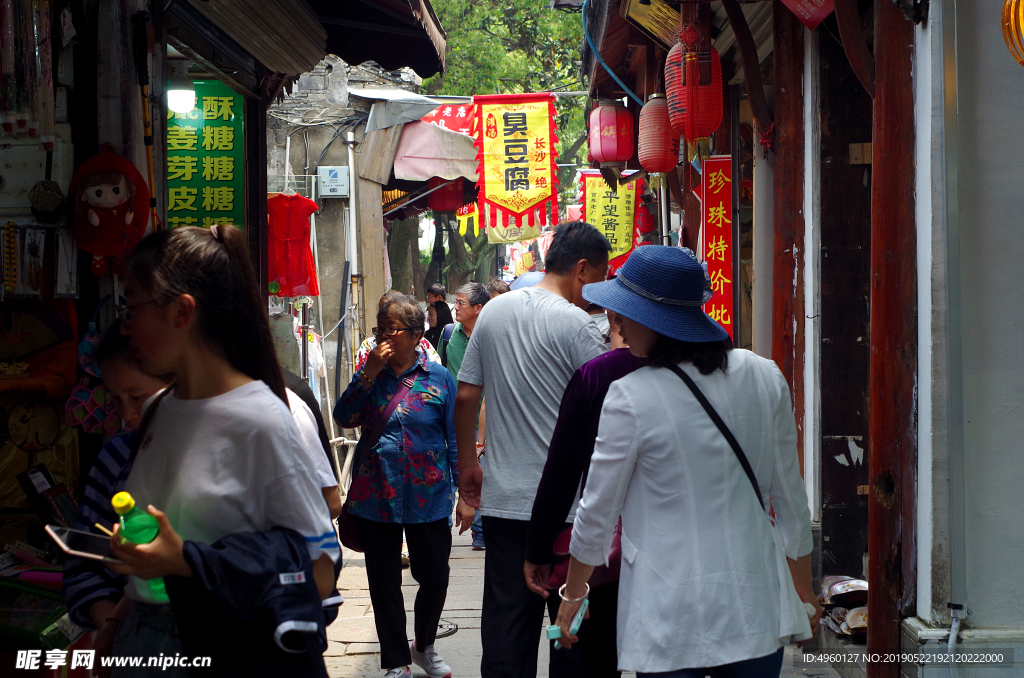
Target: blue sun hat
x: 528, y: 279
x: 662, y: 288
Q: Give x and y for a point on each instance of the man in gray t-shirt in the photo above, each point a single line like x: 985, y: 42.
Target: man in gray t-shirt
x: 526, y: 346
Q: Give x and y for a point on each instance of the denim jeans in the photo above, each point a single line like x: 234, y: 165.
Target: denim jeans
x: 148, y: 631
x: 769, y: 666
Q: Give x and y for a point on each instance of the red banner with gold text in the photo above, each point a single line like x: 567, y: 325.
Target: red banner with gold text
x: 716, y: 191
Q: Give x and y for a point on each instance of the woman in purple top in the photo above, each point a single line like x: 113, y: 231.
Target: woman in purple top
x: 572, y: 445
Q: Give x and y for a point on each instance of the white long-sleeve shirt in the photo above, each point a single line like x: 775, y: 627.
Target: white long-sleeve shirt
x: 704, y: 577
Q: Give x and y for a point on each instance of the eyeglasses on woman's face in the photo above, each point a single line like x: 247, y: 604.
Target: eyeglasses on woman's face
x: 389, y: 331
x: 126, y: 312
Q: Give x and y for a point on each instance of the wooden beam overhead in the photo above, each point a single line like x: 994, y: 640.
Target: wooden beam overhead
x: 856, y: 48
x: 759, y: 105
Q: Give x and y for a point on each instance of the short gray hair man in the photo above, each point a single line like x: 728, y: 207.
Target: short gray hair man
x: 476, y: 294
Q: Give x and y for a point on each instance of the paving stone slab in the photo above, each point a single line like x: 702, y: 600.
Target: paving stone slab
x: 359, y: 666
x: 335, y: 648
x: 363, y: 648
x: 359, y: 629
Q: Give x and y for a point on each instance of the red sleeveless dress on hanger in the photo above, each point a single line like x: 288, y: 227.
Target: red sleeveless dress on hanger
x: 290, y: 257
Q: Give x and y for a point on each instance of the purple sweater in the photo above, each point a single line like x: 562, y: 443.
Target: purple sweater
x: 572, y: 445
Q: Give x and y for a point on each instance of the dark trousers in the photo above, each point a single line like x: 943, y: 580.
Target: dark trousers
x: 512, y: 618
x: 430, y: 545
x: 769, y: 666
x: 598, y: 641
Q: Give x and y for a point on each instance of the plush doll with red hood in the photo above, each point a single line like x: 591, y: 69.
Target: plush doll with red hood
x: 111, y: 208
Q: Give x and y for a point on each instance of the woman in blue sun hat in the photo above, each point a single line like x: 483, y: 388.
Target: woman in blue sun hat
x: 710, y: 584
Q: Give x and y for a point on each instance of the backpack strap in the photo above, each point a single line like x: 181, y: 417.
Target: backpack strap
x: 446, y: 337
x: 730, y: 438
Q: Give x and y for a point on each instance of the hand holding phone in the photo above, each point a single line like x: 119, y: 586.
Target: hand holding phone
x: 555, y: 631
x: 82, y: 544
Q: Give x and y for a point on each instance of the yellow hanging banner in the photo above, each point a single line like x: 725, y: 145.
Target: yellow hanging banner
x: 516, y: 140
x: 611, y: 213
x: 469, y: 220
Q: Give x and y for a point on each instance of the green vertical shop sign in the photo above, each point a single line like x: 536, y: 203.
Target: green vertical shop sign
x: 206, y: 159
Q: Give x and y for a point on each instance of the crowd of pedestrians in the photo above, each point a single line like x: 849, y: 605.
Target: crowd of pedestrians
x: 601, y: 438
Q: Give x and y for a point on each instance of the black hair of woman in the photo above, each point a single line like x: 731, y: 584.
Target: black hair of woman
x: 706, y: 356
x: 444, y: 317
x: 217, y: 271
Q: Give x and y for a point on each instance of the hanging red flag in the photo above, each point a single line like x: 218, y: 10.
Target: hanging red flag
x: 810, y: 12
x: 456, y: 117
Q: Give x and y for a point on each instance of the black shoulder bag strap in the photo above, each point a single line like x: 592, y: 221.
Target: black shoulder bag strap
x: 442, y: 345
x: 147, y: 419
x: 710, y: 409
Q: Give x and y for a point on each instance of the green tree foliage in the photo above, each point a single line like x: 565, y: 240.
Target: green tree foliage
x: 515, y: 46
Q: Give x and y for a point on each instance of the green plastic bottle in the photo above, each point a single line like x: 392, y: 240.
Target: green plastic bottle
x: 138, y: 527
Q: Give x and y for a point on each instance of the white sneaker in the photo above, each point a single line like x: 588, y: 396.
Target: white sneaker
x: 400, y: 672
x: 431, y: 662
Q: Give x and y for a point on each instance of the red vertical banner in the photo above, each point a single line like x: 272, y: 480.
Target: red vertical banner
x: 718, y: 241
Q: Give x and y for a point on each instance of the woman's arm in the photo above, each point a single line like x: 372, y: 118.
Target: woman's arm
x: 88, y: 584
x: 611, y: 469
x: 576, y: 589
x: 450, y: 391
x: 787, y: 492
x: 348, y: 411
x: 481, y: 424
x: 333, y: 497
x: 800, y: 569
x: 572, y: 444
x: 789, y: 500
x: 323, y: 575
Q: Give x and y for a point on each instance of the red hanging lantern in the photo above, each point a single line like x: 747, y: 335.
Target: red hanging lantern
x: 695, y: 108
x: 446, y: 199
x: 611, y: 134
x: 658, y: 143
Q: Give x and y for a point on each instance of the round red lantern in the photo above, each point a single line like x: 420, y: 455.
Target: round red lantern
x: 611, y: 134
x: 658, y: 143
x: 446, y: 199
x: 694, y: 108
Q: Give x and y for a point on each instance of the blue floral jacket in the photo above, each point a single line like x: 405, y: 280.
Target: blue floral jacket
x: 411, y: 474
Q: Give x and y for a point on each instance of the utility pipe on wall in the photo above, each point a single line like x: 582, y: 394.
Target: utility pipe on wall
x: 665, y: 214
x: 351, y: 246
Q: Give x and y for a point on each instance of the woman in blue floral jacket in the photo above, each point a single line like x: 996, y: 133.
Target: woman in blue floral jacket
x: 406, y: 480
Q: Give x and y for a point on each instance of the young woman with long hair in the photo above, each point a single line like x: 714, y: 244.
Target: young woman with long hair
x: 221, y: 453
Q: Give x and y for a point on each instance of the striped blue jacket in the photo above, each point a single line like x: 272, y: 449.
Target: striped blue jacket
x: 88, y: 581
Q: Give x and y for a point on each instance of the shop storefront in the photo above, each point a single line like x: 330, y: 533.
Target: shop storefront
x: 117, y: 119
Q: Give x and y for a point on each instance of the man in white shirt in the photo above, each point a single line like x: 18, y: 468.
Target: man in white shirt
x: 524, y: 349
